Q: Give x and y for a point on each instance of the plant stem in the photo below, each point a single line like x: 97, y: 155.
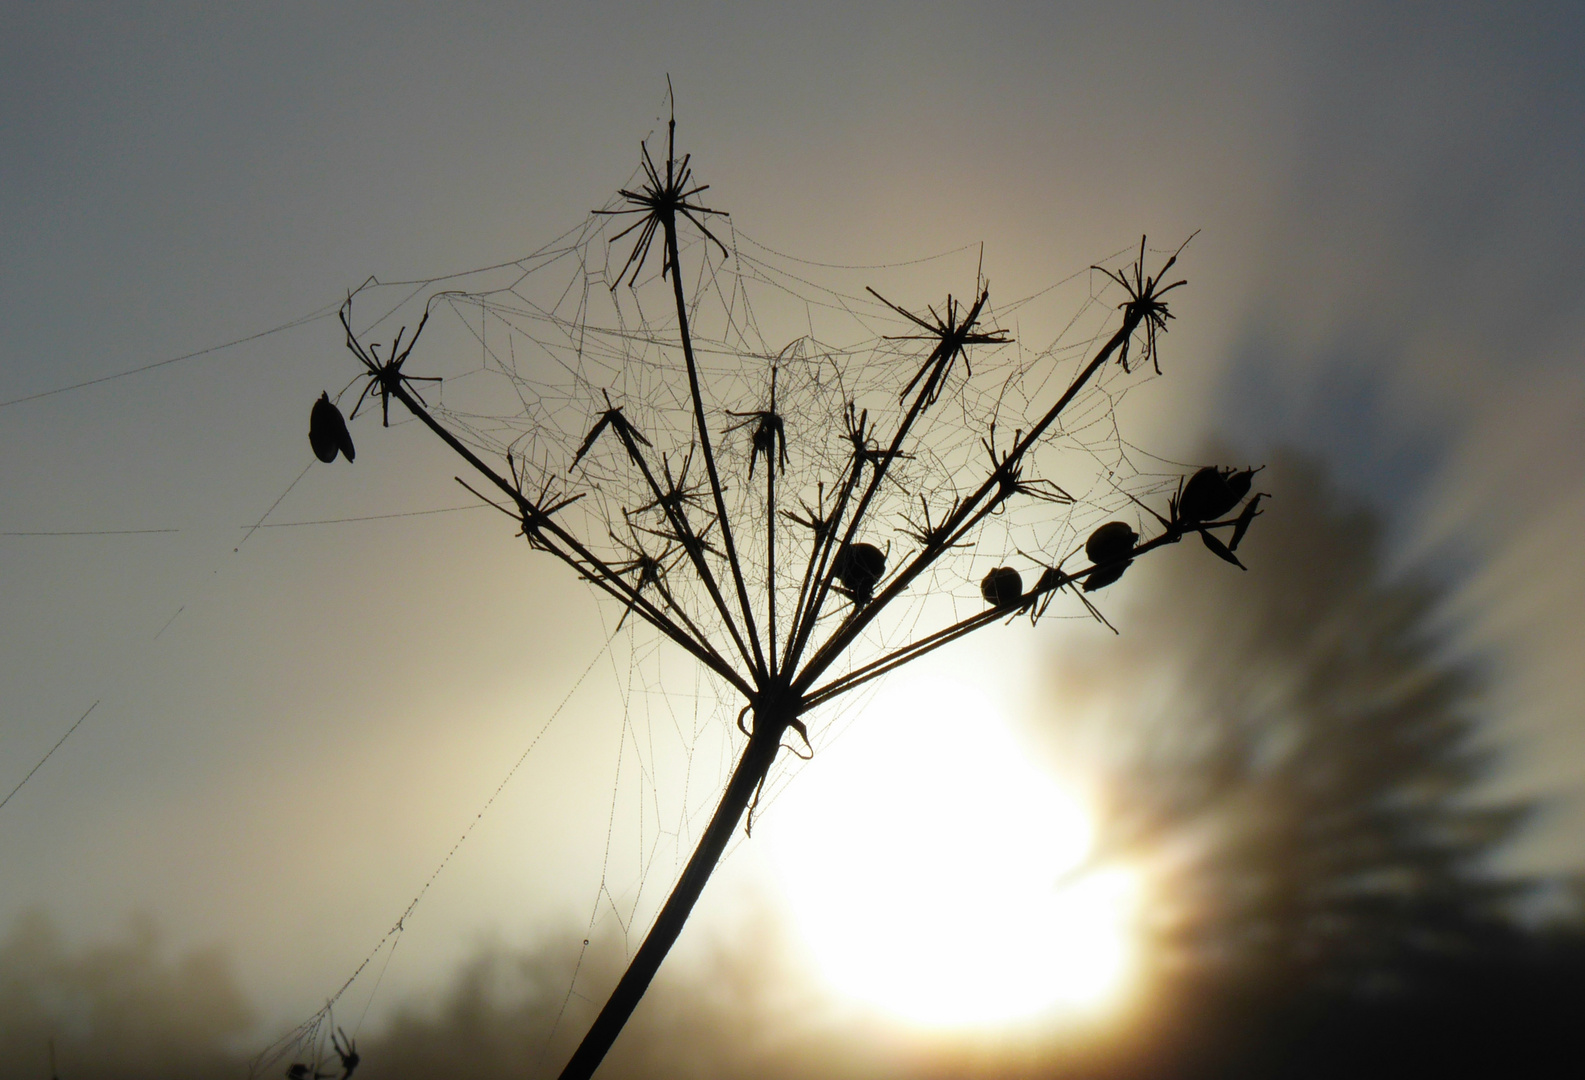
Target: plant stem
x: 690, y: 542
x: 940, y: 357
x: 670, y: 225
x: 750, y: 770
x: 574, y: 554
x: 770, y: 561
x: 968, y: 513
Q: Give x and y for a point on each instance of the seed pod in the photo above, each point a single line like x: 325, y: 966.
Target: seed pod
x: 1219, y: 549
x: 1100, y: 579
x: 1238, y: 484
x: 1002, y: 587
x: 859, y: 567
x: 327, y: 432
x: 1212, y: 492
x: 1110, y: 542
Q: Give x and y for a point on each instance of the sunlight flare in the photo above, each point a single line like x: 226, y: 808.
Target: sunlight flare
x: 938, y: 874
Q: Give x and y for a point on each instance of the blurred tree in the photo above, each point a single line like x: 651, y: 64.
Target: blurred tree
x: 1295, y: 757
x: 119, y: 1009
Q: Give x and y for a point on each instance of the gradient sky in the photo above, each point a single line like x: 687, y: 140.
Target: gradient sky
x: 1388, y: 276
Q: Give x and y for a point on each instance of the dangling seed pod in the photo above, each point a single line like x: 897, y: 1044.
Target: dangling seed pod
x: 327, y: 432
x: 1212, y: 492
x: 1002, y: 587
x: 1110, y: 544
x: 859, y: 567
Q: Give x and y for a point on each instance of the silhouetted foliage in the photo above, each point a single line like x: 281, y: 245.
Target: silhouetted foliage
x: 1295, y: 753
x: 122, y: 1009
x: 1296, y: 759
x: 748, y: 1010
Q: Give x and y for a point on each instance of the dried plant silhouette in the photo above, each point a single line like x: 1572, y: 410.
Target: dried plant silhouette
x: 799, y: 514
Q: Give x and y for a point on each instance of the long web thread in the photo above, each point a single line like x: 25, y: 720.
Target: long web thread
x: 306, y: 1033
x: 47, y: 755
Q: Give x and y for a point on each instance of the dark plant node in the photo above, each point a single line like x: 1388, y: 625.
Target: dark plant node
x: 385, y: 374
x: 952, y: 336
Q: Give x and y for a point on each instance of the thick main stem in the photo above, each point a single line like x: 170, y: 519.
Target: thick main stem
x: 751, y: 769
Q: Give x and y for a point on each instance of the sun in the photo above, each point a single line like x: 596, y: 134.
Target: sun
x: 937, y: 874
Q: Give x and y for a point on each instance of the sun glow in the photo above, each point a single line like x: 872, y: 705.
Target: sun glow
x: 936, y: 872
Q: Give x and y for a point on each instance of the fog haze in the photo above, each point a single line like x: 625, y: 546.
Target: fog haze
x: 296, y: 724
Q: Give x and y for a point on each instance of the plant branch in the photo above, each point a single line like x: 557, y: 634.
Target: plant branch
x: 770, y: 562
x: 952, y: 339
x: 1049, y: 583
x: 669, y: 221
x: 968, y: 513
x: 692, y: 544
x: 586, y: 562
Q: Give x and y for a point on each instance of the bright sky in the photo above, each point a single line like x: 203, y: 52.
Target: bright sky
x: 1387, y: 275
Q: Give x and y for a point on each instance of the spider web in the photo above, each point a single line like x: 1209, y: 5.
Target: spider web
x: 532, y: 355
x: 535, y: 351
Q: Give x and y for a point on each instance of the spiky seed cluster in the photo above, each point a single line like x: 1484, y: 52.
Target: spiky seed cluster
x: 658, y: 202
x: 1144, y: 304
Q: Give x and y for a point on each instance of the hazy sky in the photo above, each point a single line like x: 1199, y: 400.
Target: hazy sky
x: 1388, y: 276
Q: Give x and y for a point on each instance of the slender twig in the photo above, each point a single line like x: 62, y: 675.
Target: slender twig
x: 770, y: 561
x: 576, y: 554
x: 1048, y: 584
x: 969, y: 513
x: 692, y: 543
x: 669, y: 221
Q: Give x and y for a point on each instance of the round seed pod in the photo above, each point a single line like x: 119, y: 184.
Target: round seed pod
x: 1002, y: 587
x: 859, y: 567
x: 1110, y: 542
x: 327, y: 431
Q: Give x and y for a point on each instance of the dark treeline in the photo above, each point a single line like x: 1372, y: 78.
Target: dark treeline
x: 1299, y: 756
x: 1296, y: 756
